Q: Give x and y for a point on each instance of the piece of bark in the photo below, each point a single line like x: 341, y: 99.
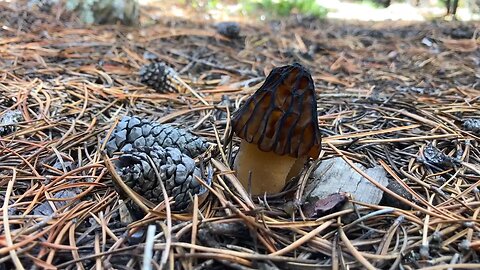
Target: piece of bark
x: 335, y: 175
x: 389, y: 200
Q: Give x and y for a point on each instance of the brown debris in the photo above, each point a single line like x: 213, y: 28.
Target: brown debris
x: 327, y: 205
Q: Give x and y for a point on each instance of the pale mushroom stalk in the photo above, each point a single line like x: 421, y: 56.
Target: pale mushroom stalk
x: 279, y: 130
x: 268, y: 170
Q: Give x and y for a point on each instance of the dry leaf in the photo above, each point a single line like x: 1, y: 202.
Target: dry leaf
x: 345, y: 65
x: 461, y: 45
x: 325, y: 206
x: 332, y: 79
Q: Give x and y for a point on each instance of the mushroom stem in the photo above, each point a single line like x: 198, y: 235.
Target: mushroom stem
x: 297, y: 168
x: 269, y: 171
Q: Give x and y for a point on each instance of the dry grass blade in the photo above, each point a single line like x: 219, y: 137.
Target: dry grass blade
x: 6, y: 224
x: 303, y: 239
x: 118, y: 181
x: 354, y: 251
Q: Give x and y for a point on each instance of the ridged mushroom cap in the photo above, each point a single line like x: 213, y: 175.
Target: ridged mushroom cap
x: 281, y: 116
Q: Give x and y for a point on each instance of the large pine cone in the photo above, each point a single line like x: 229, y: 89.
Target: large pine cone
x: 133, y: 132
x: 160, y: 77
x: 177, y: 171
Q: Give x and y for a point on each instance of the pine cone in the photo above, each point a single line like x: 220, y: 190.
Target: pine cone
x: 160, y: 77
x: 133, y: 132
x: 472, y: 124
x: 229, y: 29
x: 177, y: 172
x: 43, y: 5
x: 9, y: 122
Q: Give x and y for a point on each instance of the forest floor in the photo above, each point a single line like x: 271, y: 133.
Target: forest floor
x: 386, y: 92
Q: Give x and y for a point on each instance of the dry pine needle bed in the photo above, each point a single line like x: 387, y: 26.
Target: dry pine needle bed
x: 404, y: 98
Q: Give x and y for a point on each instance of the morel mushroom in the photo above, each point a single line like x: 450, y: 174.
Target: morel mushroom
x: 279, y: 130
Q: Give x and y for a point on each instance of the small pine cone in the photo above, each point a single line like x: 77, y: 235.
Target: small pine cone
x: 133, y: 132
x: 229, y: 29
x: 43, y: 5
x: 160, y: 77
x: 221, y: 114
x: 472, y: 124
x: 9, y: 122
x: 177, y: 171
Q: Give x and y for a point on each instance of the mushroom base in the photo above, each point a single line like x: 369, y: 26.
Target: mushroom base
x: 269, y: 171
